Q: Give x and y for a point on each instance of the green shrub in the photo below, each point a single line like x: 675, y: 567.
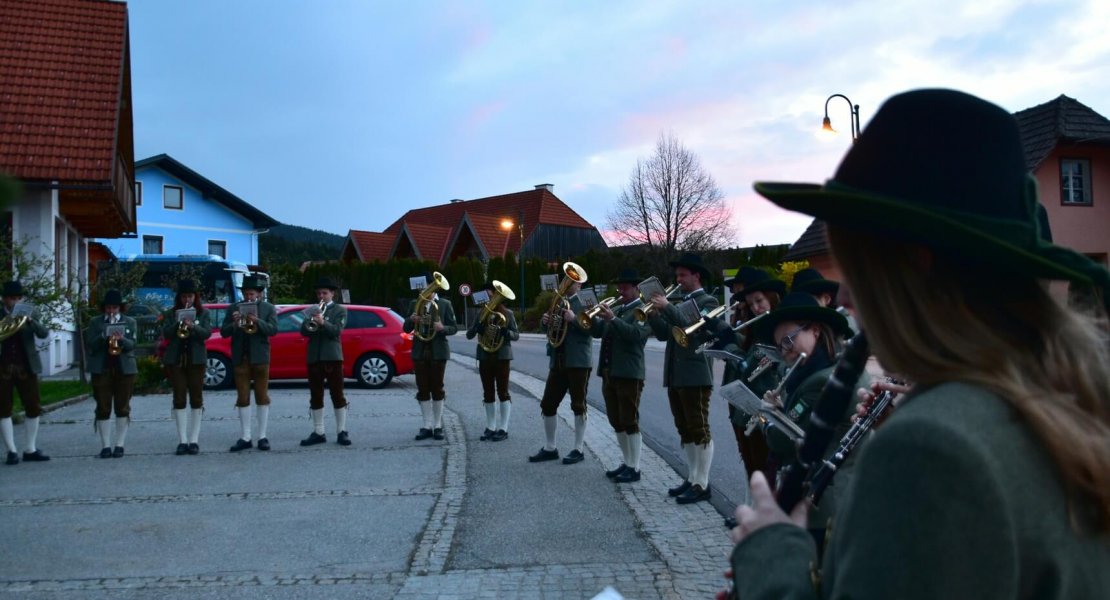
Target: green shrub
x: 151, y: 377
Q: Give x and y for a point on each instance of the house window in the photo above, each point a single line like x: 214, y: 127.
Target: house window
x: 1075, y: 181
x: 138, y: 193
x: 152, y: 244
x: 219, y: 248
x: 173, y: 197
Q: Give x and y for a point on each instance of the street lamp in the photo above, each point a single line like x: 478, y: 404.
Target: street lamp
x: 826, y: 125
x: 507, y: 224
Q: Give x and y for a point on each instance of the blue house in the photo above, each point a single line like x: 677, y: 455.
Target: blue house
x: 179, y: 211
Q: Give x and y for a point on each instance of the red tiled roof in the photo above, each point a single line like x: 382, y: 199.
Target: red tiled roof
x: 62, y: 77
x: 429, y: 240
x: 488, y: 230
x: 370, y: 245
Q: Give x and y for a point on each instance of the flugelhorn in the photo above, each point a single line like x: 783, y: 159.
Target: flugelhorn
x: 705, y: 346
x: 556, y: 328
x: 586, y: 317
x: 249, y: 327
x: 682, y: 335
x: 183, y: 327
x: 427, y: 309
x: 312, y: 326
x: 114, y: 347
x: 643, y: 312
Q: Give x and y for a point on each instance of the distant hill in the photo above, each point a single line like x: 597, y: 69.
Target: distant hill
x: 292, y: 244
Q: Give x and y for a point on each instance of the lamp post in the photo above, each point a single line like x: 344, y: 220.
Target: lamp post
x: 827, y: 123
x: 507, y: 224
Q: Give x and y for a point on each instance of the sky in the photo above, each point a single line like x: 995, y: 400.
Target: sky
x: 341, y: 115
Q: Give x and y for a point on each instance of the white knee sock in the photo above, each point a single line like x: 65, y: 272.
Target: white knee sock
x: 341, y: 419
x: 262, y: 412
x: 622, y: 441
x: 634, y: 445
x: 182, y: 419
x: 437, y: 413
x: 426, y: 412
x: 705, y: 459
x: 194, y: 425
x: 32, y: 434
x: 550, y: 426
x: 691, y: 460
x: 506, y: 410
x: 121, y: 429
x: 318, y: 421
x: 579, y: 431
x: 244, y: 423
x: 491, y: 416
x: 8, y: 433
x: 105, y: 433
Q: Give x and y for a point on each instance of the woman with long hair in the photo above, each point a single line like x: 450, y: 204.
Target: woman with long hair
x: 992, y: 478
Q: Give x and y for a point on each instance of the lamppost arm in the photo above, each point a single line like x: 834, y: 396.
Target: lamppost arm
x: 855, y: 128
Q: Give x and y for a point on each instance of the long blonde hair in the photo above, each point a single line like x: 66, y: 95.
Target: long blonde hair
x: 935, y: 319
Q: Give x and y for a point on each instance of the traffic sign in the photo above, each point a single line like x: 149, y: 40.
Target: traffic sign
x: 464, y: 289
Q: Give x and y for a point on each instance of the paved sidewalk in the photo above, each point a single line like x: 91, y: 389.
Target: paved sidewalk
x: 386, y: 517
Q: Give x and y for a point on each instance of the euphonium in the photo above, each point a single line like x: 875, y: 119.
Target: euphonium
x: 682, y: 336
x: 643, y: 312
x: 10, y: 325
x: 494, y: 321
x: 249, y: 327
x: 311, y: 325
x: 556, y: 328
x: 427, y: 309
x: 586, y: 317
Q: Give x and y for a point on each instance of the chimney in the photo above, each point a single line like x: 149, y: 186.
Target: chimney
x: 545, y: 186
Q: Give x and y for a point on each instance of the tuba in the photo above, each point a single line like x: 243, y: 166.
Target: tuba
x: 10, y: 325
x: 311, y: 325
x: 427, y: 309
x: 494, y: 321
x: 556, y: 328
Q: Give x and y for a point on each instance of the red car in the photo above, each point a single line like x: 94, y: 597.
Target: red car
x: 374, y: 347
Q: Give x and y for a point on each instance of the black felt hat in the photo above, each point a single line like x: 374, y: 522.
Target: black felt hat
x: 253, y: 282
x: 628, y: 276
x: 328, y: 283
x: 945, y: 169
x: 800, y: 307
x: 186, y: 286
x: 743, y: 276
x: 811, y: 281
x: 13, y: 288
x: 761, y: 281
x: 693, y: 262
x: 112, y: 298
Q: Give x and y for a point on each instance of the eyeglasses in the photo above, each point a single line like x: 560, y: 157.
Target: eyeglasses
x: 787, y: 343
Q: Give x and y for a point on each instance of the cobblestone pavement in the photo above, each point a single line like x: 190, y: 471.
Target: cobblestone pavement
x: 386, y: 517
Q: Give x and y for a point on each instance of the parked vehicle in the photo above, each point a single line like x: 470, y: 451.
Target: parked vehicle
x: 375, y: 348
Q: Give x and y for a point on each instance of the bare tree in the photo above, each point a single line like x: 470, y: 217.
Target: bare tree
x: 672, y: 203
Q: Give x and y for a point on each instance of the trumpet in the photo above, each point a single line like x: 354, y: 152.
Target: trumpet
x: 586, y: 317
x: 682, y: 335
x: 114, y: 347
x: 249, y: 327
x: 427, y: 310
x: 556, y: 328
x: 643, y: 312
x: 312, y: 326
x: 495, y: 322
x: 705, y: 346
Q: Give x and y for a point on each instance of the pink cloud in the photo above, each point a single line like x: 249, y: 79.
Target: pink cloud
x: 482, y: 114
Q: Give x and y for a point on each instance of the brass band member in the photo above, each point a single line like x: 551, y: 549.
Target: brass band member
x: 688, y: 377
x: 493, y: 369
x: 761, y: 294
x: 184, y: 361
x: 811, y: 281
x: 429, y: 361
x: 325, y: 362
x: 250, y: 356
x: 111, y: 362
x: 992, y: 478
x: 620, y: 364
x: 569, y: 369
x: 20, y: 366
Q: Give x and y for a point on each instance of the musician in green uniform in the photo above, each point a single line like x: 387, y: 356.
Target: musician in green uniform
x: 569, y: 366
x: 429, y: 359
x: 688, y: 376
x: 620, y: 364
x: 250, y: 334
x: 324, y: 328
x: 20, y: 366
x: 110, y: 359
x: 992, y: 478
x: 493, y: 369
x: 185, y: 359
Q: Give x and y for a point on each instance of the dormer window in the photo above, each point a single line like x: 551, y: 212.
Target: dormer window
x: 1075, y: 182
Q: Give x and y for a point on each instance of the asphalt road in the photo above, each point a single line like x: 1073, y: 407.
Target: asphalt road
x: 727, y: 478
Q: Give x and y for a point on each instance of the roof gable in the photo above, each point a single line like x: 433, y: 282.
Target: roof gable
x: 812, y: 243
x: 369, y: 245
x: 1062, y: 119
x: 209, y: 189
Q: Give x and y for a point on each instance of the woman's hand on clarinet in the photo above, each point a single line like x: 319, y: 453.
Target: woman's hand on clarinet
x: 867, y: 398
x: 764, y: 511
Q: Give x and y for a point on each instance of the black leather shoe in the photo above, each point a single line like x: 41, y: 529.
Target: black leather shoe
x: 313, y: 439
x: 182, y: 449
x: 241, y: 444
x: 423, y: 434
x: 437, y: 433
x: 544, y: 455
x: 574, y: 456
x: 730, y: 523
x: 105, y: 453
x: 681, y: 489
x: 487, y: 435
x: 627, y: 476
x: 36, y: 456
x: 117, y: 452
x: 617, y: 471
x: 194, y: 449
x: 13, y: 459
x: 343, y: 438
x: 499, y: 436
x: 263, y: 444
x: 695, y: 494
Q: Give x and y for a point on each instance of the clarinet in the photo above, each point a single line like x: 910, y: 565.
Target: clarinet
x: 824, y: 475
x: 835, y: 399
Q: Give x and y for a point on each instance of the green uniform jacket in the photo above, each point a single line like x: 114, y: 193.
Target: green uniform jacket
x: 629, y: 336
x: 577, y: 346
x: 33, y: 329
x: 259, y: 342
x: 954, y: 497
x: 202, y: 329
x: 325, y: 344
x: 96, y: 345
x: 441, y: 350
x: 505, y: 352
x: 683, y: 367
